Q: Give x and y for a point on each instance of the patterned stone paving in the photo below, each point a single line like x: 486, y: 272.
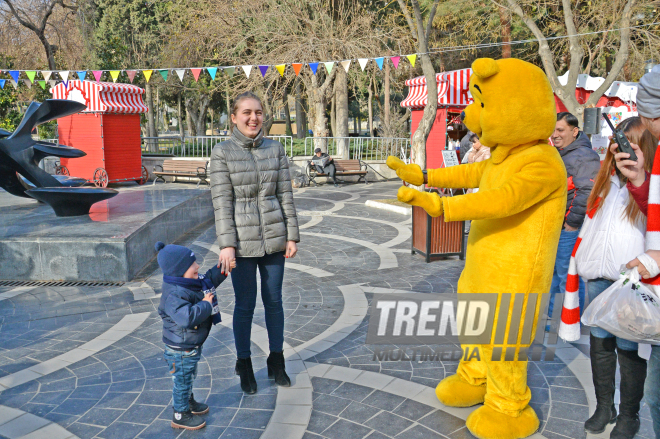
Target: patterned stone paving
x: 124, y: 391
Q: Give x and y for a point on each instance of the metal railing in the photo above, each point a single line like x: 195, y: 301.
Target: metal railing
x: 361, y: 148
x: 194, y: 146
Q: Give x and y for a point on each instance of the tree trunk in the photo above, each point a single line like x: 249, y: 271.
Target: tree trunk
x: 387, y: 132
x: 190, y: 117
x: 333, y: 119
x: 505, y: 26
x: 301, y: 130
x: 370, y: 108
x: 341, y: 114
x: 228, y: 124
x: 151, y: 117
x: 317, y: 95
x: 287, y: 112
x: 428, y: 118
x: 180, y: 115
x: 50, y: 56
x: 200, y: 120
x: 212, y: 119
x: 359, y: 118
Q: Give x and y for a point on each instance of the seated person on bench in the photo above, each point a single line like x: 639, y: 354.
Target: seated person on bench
x: 323, y: 164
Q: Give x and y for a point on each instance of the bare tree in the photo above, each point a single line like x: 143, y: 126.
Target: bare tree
x: 34, y: 15
x: 420, y: 33
x: 576, y: 53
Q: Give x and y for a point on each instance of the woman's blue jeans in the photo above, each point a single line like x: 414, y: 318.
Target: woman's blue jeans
x: 594, y: 288
x: 244, y: 279
x: 652, y: 388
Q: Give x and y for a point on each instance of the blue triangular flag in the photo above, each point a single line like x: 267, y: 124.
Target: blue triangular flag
x: 2, y: 83
x: 314, y: 66
x: 212, y: 71
x: 379, y: 61
x: 82, y: 74
x: 15, y: 74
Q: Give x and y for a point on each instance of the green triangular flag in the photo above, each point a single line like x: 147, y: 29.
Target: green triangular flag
x: 230, y: 71
x: 42, y: 84
x: 30, y: 74
x: 164, y: 73
x: 329, y: 66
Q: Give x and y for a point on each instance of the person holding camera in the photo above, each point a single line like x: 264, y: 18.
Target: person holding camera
x: 613, y: 234
x: 644, y: 187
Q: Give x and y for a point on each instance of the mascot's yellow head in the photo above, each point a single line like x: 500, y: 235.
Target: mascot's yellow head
x: 513, y: 103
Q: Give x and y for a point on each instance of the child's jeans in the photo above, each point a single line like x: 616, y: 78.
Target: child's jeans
x: 183, y: 368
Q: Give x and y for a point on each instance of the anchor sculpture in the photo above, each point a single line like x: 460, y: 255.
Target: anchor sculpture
x: 20, y: 155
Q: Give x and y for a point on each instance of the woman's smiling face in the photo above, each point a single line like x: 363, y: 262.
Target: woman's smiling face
x: 249, y: 117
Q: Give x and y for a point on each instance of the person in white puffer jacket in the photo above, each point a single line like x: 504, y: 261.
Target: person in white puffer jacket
x: 614, y: 236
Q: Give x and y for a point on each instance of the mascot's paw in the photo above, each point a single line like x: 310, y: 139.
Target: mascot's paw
x: 429, y: 202
x: 453, y: 391
x: 486, y: 423
x: 410, y: 173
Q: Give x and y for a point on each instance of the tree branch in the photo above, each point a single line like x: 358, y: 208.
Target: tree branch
x: 574, y: 48
x: 406, y: 14
x: 621, y: 55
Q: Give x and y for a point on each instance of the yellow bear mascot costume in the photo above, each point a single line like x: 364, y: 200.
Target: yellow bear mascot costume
x: 517, y: 216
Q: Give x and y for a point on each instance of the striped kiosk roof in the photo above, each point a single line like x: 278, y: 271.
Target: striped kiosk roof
x: 453, y: 90
x: 102, y: 97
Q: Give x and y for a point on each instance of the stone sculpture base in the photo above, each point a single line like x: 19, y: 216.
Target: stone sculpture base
x: 113, y: 243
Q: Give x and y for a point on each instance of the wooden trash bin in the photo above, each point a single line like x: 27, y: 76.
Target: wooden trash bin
x: 433, y: 236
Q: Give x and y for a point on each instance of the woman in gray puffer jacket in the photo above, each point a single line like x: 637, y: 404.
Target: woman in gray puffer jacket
x: 255, y: 221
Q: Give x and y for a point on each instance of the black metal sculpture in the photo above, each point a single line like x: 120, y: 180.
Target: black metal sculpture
x: 20, y: 156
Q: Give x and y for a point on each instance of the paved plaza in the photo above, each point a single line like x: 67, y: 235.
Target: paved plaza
x: 86, y: 361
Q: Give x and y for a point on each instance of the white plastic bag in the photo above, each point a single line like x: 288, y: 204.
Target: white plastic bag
x: 628, y: 309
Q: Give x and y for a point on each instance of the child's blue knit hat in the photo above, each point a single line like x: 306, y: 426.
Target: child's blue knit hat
x: 174, y: 260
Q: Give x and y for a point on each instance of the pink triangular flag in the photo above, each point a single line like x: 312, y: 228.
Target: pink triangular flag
x: 395, y: 61
x: 196, y: 73
x: 131, y: 74
x: 97, y: 74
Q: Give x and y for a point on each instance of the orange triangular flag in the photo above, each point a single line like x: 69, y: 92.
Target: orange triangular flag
x: 296, y: 67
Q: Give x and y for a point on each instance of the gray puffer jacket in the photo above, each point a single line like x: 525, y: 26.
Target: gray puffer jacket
x: 252, y: 196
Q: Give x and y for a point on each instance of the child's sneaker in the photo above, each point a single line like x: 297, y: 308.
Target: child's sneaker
x: 197, y: 408
x: 187, y: 420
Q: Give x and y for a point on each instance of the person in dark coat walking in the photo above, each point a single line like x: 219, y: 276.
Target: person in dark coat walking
x: 582, y: 165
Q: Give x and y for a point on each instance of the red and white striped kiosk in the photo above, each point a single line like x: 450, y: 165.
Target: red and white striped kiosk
x: 432, y: 236
x: 108, y: 131
x: 453, y: 97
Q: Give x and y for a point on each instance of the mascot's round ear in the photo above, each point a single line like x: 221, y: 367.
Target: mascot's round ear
x: 485, y: 67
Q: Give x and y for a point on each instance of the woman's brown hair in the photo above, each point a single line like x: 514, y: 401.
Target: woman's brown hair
x: 636, y: 133
x: 242, y: 97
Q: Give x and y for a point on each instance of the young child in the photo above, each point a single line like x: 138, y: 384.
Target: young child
x: 188, y: 308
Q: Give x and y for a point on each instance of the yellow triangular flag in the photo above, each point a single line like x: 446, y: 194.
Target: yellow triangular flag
x: 147, y: 74
x: 114, y: 74
x: 412, y: 59
x: 280, y: 68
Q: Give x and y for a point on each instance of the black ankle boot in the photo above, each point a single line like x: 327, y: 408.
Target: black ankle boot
x: 197, y: 408
x: 276, y: 370
x: 187, y: 421
x: 244, y: 370
x: 603, y: 369
x: 633, y: 375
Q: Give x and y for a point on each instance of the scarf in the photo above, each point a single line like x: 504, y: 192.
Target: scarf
x: 569, y: 327
x: 202, y: 284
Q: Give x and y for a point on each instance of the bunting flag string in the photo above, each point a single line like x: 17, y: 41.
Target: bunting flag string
x: 196, y: 72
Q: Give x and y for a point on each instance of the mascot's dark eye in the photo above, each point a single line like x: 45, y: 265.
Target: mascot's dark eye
x: 477, y: 87
x: 482, y: 105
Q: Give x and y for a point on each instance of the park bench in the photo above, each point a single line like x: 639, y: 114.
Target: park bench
x: 183, y: 168
x: 344, y: 168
